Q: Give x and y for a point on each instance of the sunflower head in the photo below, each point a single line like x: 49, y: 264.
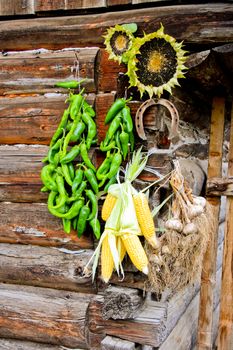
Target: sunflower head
x: 155, y: 63
x: 118, y: 41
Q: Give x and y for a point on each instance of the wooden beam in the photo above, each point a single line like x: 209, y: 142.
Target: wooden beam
x: 48, y: 5
x: 31, y: 223
x: 225, y: 338
x: 39, y: 71
x: 219, y: 186
x: 205, y: 327
x: 196, y: 23
x: 13, y: 344
x: 36, y: 117
x: 45, y: 267
x: 113, y: 343
x: 16, y: 7
x: 43, y: 315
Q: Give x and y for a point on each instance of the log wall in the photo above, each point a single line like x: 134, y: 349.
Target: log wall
x: 41, y: 268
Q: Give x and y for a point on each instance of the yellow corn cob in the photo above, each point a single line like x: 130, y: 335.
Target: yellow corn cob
x: 122, y: 250
x: 135, y: 251
x: 107, y: 263
x: 108, y: 206
x: 145, y: 219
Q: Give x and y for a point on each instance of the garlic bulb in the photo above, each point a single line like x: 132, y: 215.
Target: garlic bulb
x: 195, y: 210
x: 174, y: 224
x: 189, y: 229
x: 199, y: 201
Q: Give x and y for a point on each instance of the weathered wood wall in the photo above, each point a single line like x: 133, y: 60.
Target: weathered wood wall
x: 41, y: 268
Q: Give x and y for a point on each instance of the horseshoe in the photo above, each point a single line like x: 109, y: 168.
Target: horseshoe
x: 173, y: 133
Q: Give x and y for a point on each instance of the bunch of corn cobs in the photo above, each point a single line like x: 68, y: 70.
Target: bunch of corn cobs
x: 73, y: 186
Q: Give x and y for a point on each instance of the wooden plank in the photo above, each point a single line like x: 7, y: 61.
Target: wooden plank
x: 118, y: 2
x: 16, y: 7
x: 36, y: 118
x: 13, y: 344
x: 48, y: 5
x: 147, y: 328
x: 184, y: 331
x: 113, y: 343
x: 219, y: 186
x: 39, y: 71
x: 205, y: 326
x: 45, y: 267
x: 43, y: 315
x: 102, y: 104
x: 225, y: 339
x: 195, y: 23
x: 31, y: 223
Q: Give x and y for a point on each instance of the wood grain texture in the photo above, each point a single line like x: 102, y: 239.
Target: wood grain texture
x: 147, y: 328
x: 36, y: 117
x: 38, y: 71
x: 31, y: 223
x: 48, y: 5
x: 219, y: 186
x: 102, y: 104
x: 196, y: 23
x: 118, y: 2
x: 43, y: 315
x: 225, y: 338
x: 113, y: 343
x: 205, y: 326
x: 14, y: 344
x: 45, y: 267
x: 16, y: 7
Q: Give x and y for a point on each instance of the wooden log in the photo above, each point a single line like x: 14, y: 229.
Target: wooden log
x: 36, y: 118
x: 102, y: 104
x: 192, y: 23
x: 13, y: 344
x: 45, y: 267
x: 47, y: 5
x: 219, y: 186
x: 147, y: 328
x: 225, y: 338
x: 205, y: 326
x: 121, y: 303
x: 31, y: 223
x: 43, y: 315
x: 118, y: 2
x: 16, y: 7
x: 39, y: 71
x: 113, y: 343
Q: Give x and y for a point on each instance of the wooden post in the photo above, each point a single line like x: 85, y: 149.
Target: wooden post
x: 225, y: 337
x: 205, y: 325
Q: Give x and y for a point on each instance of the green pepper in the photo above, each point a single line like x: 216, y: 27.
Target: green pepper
x: 66, y: 225
x: 77, y: 132
x: 126, y: 116
x: 117, y: 139
x: 46, y: 177
x: 44, y: 189
x: 72, y: 84
x: 68, y: 136
x: 131, y: 141
x: 76, y: 103
x: 77, y: 180
x: 115, y: 165
x: 71, y: 155
x: 66, y: 174
x: 70, y: 214
x: 77, y: 194
x: 124, y: 140
x: 82, y: 220
x: 104, y: 167
x: 61, y: 127
x: 74, y: 222
x: 90, y: 195
x: 61, y: 190
x: 108, y: 147
x: 116, y: 107
x: 109, y: 183
x: 91, y: 177
x: 112, y: 128
x: 95, y: 225
x: 84, y: 155
x: 87, y: 108
x: 71, y: 171
x: 53, y: 151
x: 91, y: 125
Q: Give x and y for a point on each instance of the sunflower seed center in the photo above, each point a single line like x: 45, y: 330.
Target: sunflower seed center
x: 155, y: 62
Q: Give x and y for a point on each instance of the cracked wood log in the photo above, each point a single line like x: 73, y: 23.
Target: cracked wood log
x: 43, y: 315
x: 147, y: 328
x: 192, y: 23
x: 36, y: 118
x: 45, y: 267
x: 14, y: 344
x: 31, y: 223
x: 217, y: 186
x: 38, y: 71
x: 121, y: 303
